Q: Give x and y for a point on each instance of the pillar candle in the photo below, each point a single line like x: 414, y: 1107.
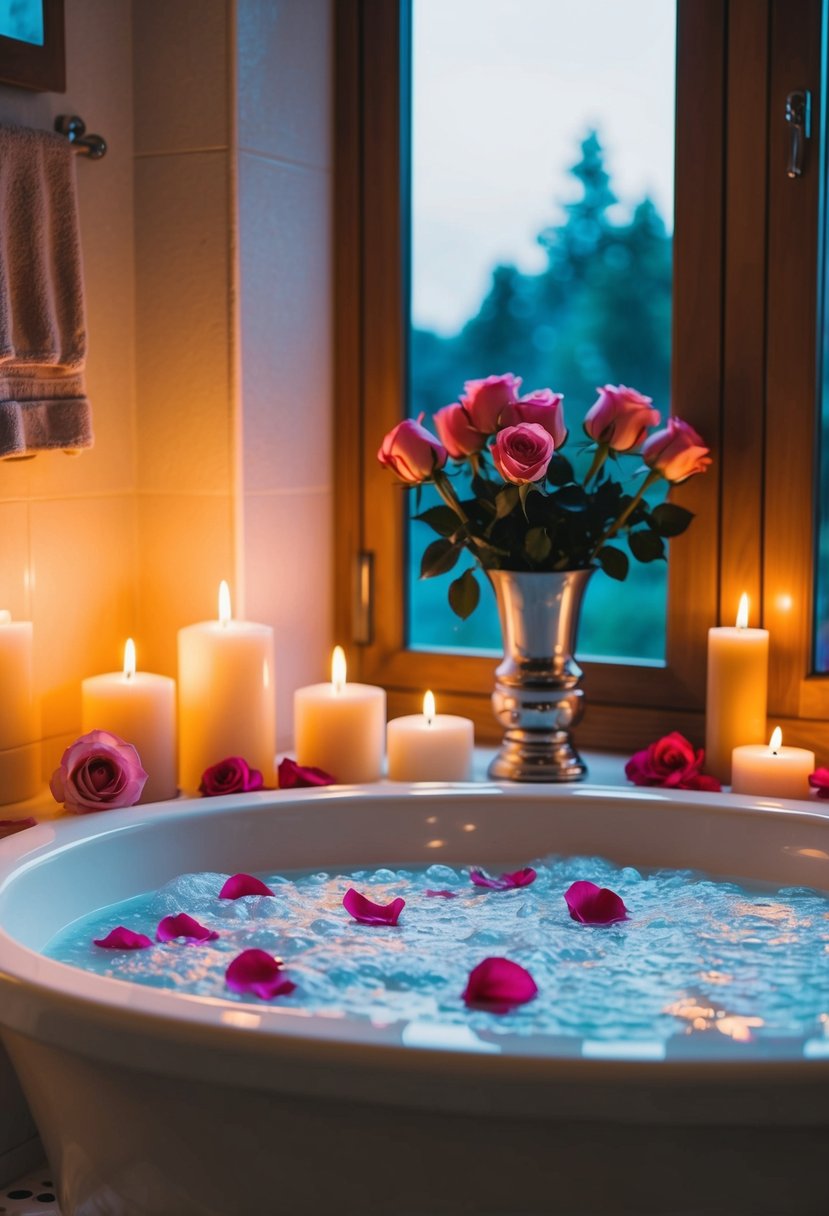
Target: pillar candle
x: 226, y: 695
x: 19, y: 733
x: 737, y: 692
x: 771, y: 769
x: 140, y: 708
x: 430, y: 746
x: 340, y: 727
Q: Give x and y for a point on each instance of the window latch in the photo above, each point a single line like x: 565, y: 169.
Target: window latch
x: 799, y: 119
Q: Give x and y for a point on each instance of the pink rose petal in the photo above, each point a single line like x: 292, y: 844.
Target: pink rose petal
x: 296, y: 776
x: 8, y: 827
x: 243, y: 884
x: 498, y: 984
x: 592, y: 905
x: 258, y: 972
x: 442, y: 894
x: 122, y: 938
x: 173, y: 927
x: 368, y: 913
x: 507, y: 882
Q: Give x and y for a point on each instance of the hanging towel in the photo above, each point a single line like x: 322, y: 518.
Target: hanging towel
x: 43, y: 402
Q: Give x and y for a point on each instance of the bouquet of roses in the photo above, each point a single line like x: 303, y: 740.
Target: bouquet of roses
x: 513, y: 500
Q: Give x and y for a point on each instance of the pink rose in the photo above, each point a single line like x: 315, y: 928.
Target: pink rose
x: 484, y: 400
x: 97, y: 772
x: 522, y: 453
x: 671, y: 762
x: 231, y: 776
x: 412, y: 452
x: 542, y: 406
x: 677, y: 452
x: 620, y: 417
x: 457, y: 434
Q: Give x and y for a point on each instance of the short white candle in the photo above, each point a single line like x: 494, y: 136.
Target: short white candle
x: 430, y: 746
x: 226, y: 695
x: 737, y: 691
x: 340, y: 727
x: 774, y: 771
x: 140, y: 708
x: 19, y: 733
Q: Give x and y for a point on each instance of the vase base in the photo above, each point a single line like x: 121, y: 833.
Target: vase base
x: 548, y: 759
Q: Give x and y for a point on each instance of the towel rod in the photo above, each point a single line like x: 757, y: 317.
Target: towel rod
x: 74, y: 128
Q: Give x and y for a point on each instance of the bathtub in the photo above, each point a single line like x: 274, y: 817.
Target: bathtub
x: 150, y: 1103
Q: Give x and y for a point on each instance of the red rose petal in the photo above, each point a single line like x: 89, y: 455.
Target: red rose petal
x: 172, y: 927
x: 819, y: 781
x: 442, y: 894
x: 296, y: 776
x: 499, y: 984
x: 592, y: 905
x: 506, y: 882
x: 368, y: 913
x: 243, y: 884
x: 8, y: 827
x: 122, y: 938
x: 258, y: 972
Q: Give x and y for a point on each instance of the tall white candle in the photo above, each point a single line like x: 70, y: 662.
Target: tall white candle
x: 340, y: 727
x: 140, y: 708
x: 19, y: 733
x: 737, y: 691
x: 772, y: 770
x: 430, y: 746
x: 226, y: 695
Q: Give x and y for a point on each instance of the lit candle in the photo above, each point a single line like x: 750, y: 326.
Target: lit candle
x: 737, y: 693
x: 340, y: 727
x: 226, y: 695
x: 140, y: 708
x: 19, y: 734
x: 773, y: 770
x: 430, y: 746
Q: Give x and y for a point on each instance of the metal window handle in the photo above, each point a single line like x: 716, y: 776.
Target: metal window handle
x: 799, y: 118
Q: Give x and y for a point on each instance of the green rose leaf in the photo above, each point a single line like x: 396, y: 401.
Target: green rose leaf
x: 506, y: 500
x: 464, y: 594
x: 438, y: 557
x: 614, y: 562
x: 646, y: 546
x: 442, y: 519
x: 670, y: 519
x: 538, y: 544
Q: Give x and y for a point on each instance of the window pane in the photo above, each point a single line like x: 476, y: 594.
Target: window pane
x: 542, y: 218
x: 22, y: 20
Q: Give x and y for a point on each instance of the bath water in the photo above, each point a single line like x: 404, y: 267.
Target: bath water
x: 697, y: 955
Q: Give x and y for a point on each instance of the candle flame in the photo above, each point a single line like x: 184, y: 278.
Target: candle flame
x: 225, y: 613
x: 776, y: 740
x: 742, y: 612
x: 429, y: 707
x: 129, y: 658
x: 338, y: 668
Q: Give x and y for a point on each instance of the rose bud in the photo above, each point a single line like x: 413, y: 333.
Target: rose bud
x: 522, y: 453
x: 457, y: 434
x: 97, y: 772
x: 542, y: 406
x: 620, y: 418
x: 677, y: 452
x: 484, y: 400
x: 412, y: 452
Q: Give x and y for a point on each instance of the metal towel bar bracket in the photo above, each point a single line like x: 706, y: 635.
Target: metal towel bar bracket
x: 74, y: 128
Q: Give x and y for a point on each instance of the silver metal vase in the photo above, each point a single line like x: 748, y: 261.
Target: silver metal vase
x: 537, y: 698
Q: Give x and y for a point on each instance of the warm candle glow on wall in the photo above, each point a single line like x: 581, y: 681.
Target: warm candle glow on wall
x: 338, y: 668
x: 742, y: 612
x: 129, y: 659
x: 776, y: 740
x: 225, y: 613
x: 19, y: 749
x: 429, y: 707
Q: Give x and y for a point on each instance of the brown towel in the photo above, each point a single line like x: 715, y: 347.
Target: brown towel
x: 43, y: 402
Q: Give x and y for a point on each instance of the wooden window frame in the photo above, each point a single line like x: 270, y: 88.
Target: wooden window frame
x: 745, y: 340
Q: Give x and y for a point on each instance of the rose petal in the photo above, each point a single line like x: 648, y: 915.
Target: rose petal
x: 258, y: 972
x: 243, y: 884
x: 592, y: 905
x: 368, y: 913
x: 172, y: 927
x: 233, y: 775
x: 506, y: 882
x: 295, y: 776
x: 499, y: 984
x: 122, y: 938
x: 8, y: 827
x: 442, y: 894
x: 819, y: 781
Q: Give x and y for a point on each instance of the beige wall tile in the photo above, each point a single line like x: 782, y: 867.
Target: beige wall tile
x: 285, y: 259
x: 284, y: 54
x: 181, y: 57
x: 183, y: 323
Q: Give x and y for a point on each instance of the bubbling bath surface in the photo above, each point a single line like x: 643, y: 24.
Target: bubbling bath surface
x: 696, y: 955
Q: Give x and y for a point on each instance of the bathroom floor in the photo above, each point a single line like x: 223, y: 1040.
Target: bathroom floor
x: 30, y: 1195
